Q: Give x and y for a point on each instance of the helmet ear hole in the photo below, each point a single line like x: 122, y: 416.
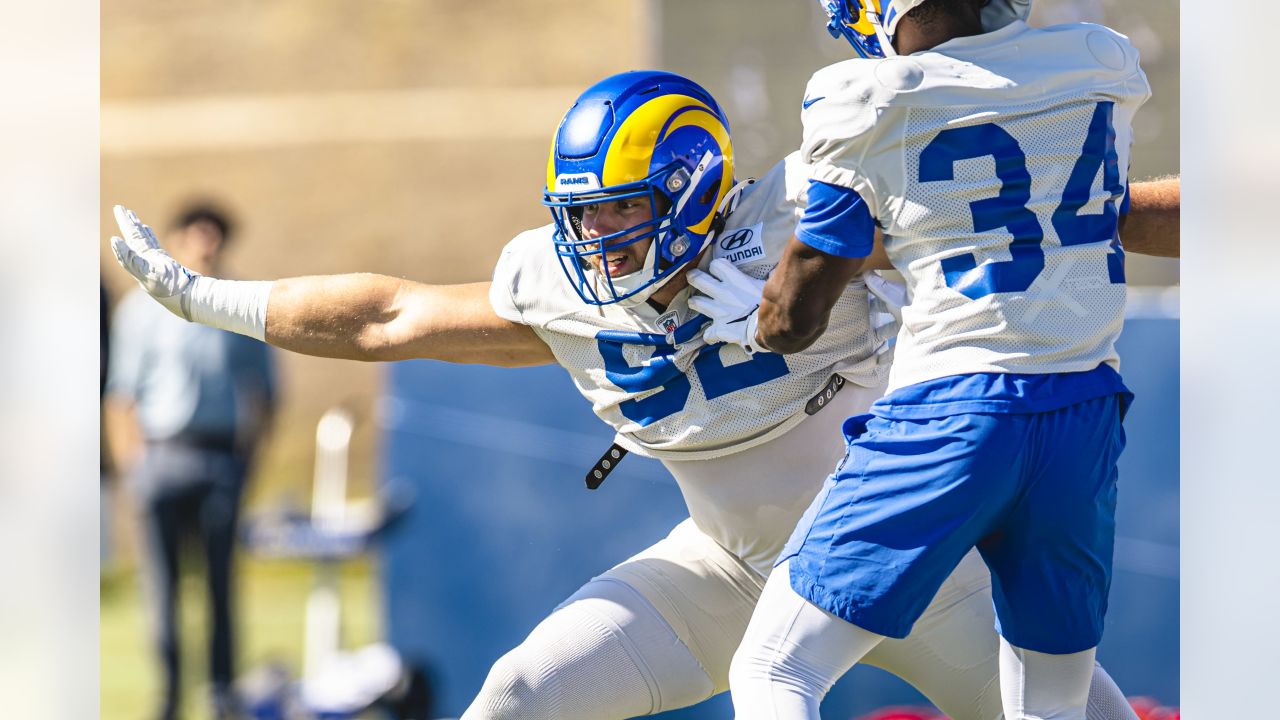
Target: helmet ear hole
x: 710, y: 195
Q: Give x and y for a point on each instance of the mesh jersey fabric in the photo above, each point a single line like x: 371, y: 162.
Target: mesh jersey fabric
x: 687, y: 400
x: 1013, y: 110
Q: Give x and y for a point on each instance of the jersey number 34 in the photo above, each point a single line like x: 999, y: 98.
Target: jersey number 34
x: 1009, y: 210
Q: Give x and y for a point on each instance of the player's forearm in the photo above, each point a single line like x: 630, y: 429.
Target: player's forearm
x: 336, y: 316
x: 380, y: 318
x: 1152, y: 224
x: 799, y: 296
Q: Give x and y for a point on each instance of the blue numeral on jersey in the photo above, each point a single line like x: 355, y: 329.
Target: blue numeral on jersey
x: 1099, y: 151
x: 1009, y: 208
x: 1006, y: 210
x: 718, y: 380
x: 660, y: 371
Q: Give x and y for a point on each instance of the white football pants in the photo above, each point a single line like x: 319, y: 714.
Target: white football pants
x: 659, y: 630
x: 607, y: 653
x: 794, y: 651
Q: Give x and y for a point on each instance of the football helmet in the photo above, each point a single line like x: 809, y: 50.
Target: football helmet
x: 650, y: 135
x: 869, y: 25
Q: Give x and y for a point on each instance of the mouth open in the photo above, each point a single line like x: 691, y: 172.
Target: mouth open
x: 618, y: 265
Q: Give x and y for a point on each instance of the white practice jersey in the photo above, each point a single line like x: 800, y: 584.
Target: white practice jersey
x: 995, y: 165
x: 650, y: 375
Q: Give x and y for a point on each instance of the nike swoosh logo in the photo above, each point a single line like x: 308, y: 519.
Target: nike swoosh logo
x: 804, y: 104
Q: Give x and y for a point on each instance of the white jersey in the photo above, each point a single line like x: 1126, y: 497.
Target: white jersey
x: 994, y: 164
x: 664, y: 390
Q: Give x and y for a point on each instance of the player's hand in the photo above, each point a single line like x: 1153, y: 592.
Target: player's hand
x: 886, y: 298
x: 731, y: 298
x: 164, y: 278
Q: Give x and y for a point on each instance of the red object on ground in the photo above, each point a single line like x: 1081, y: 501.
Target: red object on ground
x: 1151, y: 709
x: 904, y: 713
x: 1146, y: 708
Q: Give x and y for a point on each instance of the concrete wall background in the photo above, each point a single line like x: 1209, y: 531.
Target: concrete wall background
x: 405, y: 137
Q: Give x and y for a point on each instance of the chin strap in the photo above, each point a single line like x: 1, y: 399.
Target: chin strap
x: 886, y: 44
x: 726, y: 208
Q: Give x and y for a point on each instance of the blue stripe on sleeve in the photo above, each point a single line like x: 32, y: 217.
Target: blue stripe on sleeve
x: 1124, y: 204
x: 837, y: 222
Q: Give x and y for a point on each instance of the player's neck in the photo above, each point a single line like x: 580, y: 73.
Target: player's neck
x: 913, y: 37
x: 663, y: 296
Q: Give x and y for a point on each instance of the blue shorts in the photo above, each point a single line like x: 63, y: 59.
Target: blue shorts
x: 1035, y: 492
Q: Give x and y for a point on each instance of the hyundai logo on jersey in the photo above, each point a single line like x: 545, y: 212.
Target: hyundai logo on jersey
x: 578, y: 181
x: 742, y: 245
x: 736, y: 240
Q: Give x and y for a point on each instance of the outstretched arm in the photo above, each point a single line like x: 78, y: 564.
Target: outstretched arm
x: 1151, y: 226
x: 375, y: 317
x: 357, y: 317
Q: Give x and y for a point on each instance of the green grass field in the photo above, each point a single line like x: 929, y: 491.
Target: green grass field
x: 271, y: 601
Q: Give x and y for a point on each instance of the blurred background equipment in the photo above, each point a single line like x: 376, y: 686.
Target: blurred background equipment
x: 409, y: 137
x: 335, y: 683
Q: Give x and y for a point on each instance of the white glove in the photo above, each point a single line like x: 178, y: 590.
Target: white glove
x: 731, y: 298
x: 164, y: 278
x: 886, y: 299
x: 226, y: 304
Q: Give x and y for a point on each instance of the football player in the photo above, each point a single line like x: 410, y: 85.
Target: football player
x: 641, y: 188
x: 993, y: 157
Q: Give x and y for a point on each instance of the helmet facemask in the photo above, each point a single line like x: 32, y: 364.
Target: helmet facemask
x: 861, y: 23
x: 668, y: 191
x: 870, y: 30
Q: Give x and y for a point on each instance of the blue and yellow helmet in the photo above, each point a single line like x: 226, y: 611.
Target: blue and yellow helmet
x: 866, y: 24
x: 869, y: 25
x: 641, y: 134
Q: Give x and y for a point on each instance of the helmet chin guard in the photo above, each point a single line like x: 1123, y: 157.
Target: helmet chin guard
x: 648, y: 136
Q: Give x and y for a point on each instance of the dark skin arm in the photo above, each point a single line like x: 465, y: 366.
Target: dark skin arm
x: 1152, y: 225
x: 807, y: 283
x: 799, y: 296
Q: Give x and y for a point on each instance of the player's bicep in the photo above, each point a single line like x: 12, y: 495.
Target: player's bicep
x: 457, y: 323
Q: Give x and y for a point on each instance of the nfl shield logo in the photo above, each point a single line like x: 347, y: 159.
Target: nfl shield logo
x: 669, y: 322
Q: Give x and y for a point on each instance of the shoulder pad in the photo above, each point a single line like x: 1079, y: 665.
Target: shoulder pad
x: 842, y: 100
x: 523, y: 272
x: 1109, y: 48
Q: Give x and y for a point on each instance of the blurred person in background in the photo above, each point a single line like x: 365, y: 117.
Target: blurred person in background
x: 187, y: 406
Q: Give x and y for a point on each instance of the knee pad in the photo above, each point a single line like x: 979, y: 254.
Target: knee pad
x: 518, y: 686
x: 581, y: 664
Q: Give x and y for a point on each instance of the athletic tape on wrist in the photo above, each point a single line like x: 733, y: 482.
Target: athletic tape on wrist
x: 236, y: 305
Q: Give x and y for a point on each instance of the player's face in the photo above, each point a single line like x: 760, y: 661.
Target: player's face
x: 606, y: 218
